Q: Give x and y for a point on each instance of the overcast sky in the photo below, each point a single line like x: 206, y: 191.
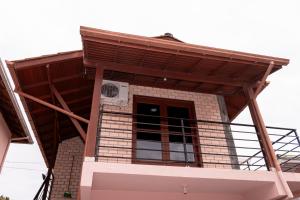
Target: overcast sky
x: 271, y: 27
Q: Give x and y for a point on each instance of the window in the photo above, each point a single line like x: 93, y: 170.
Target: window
x: 164, y: 131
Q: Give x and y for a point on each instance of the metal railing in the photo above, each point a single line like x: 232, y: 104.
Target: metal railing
x: 44, y: 191
x: 147, y: 139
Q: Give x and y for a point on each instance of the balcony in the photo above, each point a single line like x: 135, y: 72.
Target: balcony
x: 209, y: 159
x: 194, y: 143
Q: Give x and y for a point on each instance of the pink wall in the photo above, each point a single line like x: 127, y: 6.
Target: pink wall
x: 5, y: 136
x: 135, y: 195
x: 131, y: 181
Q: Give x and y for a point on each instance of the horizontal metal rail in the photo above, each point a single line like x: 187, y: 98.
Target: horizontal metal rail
x: 204, y: 143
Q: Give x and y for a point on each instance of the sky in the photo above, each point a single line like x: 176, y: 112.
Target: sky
x: 269, y: 27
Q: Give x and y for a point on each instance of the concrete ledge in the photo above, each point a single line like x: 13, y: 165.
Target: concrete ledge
x: 114, y: 180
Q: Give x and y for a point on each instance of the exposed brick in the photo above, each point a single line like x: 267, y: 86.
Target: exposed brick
x: 69, y: 151
x: 206, y: 107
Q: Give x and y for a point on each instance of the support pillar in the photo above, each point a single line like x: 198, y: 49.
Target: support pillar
x: 266, y: 143
x: 90, y: 144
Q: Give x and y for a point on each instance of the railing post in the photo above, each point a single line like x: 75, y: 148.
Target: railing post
x: 98, y: 133
x: 184, y: 142
x: 263, y: 149
x: 248, y: 165
x: 297, y: 136
x: 44, y: 189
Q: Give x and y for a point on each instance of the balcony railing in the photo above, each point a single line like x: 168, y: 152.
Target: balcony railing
x: 132, y: 138
x: 44, y: 191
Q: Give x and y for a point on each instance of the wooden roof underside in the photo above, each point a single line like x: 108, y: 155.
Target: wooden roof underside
x: 136, y: 60
x: 146, y: 61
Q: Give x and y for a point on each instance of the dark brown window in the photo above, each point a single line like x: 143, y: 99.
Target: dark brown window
x: 165, y: 132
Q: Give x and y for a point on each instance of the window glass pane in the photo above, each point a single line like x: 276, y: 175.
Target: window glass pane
x: 176, y: 138
x: 148, y: 154
x: 179, y: 154
x: 148, y: 132
x: 148, y: 116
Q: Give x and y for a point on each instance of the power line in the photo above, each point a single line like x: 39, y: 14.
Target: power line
x: 22, y: 168
x: 24, y: 162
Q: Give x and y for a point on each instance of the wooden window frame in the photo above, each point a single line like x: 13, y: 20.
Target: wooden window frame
x: 163, y: 103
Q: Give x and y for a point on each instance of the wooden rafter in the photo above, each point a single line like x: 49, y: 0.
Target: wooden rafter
x: 197, y: 86
x: 160, y: 73
x: 44, y: 60
x: 40, y: 110
x: 49, y: 105
x: 218, y: 88
x: 245, y: 69
x: 194, y: 66
x: 142, y: 60
x: 263, y: 80
x: 55, y: 124
x: 69, y: 91
x: 190, y: 69
x: 169, y: 61
x: 218, y: 68
x: 66, y: 107
x: 57, y: 80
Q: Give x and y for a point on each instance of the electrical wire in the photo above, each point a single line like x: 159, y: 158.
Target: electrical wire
x: 24, y: 162
x: 22, y: 168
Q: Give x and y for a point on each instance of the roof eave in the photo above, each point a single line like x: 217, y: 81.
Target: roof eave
x: 148, y: 42
x: 15, y: 103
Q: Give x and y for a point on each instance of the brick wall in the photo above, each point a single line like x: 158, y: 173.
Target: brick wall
x: 206, y: 107
x: 67, y: 169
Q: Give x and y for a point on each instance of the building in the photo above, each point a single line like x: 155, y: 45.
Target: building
x: 136, y: 117
x: 13, y: 127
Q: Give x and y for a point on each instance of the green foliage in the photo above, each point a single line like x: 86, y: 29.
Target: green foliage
x: 4, y: 198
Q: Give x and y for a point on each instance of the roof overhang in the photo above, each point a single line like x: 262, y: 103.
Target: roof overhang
x: 11, y: 111
x: 149, y: 60
x: 66, y: 72
x: 168, y: 46
x: 137, y: 60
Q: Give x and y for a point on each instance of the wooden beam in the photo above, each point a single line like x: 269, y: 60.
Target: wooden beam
x: 260, y: 128
x: 66, y: 107
x: 194, y: 66
x: 77, y: 108
x: 44, y: 103
x: 55, y: 138
x: 169, y: 61
x: 198, y: 86
x: 19, y: 139
x: 57, y: 80
x: 44, y: 60
x: 90, y: 145
x: 142, y: 59
x: 190, y: 69
x: 70, y: 91
x: 263, y: 80
x: 267, y: 146
x: 218, y: 68
x: 55, y: 132
x: 161, y: 73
